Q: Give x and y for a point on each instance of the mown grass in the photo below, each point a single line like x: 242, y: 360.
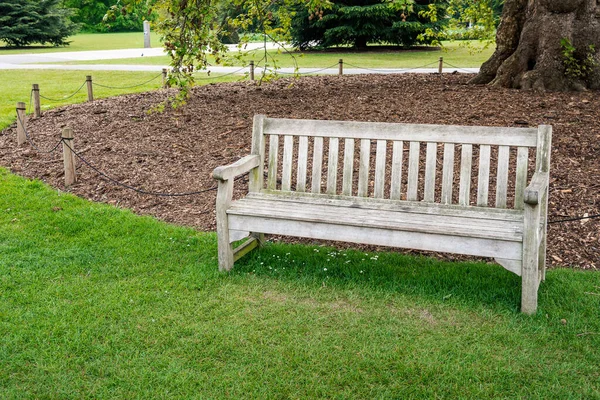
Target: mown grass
x: 455, y: 53
x: 99, y: 303
x: 89, y: 42
x: 57, y: 85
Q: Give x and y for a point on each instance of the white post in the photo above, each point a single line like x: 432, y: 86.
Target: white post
x: 147, y: 34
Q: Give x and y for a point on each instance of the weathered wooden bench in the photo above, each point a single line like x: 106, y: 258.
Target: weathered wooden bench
x: 369, y: 200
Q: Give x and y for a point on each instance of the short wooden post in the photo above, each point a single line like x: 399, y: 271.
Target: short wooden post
x: 36, y: 100
x: 441, y: 66
x: 68, y: 156
x: 341, y: 67
x: 90, y: 88
x: 164, y: 77
x: 251, y: 70
x: 21, y: 137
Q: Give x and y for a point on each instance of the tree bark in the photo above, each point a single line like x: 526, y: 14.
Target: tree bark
x: 528, y: 45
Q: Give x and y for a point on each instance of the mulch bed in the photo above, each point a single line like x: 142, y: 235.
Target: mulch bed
x: 176, y: 150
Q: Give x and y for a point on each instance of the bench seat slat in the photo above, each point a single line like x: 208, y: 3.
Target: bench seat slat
x: 380, y: 237
x: 506, y: 250
x: 385, y: 204
x: 378, y: 218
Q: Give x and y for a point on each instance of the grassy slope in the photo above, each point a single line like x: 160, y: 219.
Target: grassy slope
x: 54, y: 84
x: 90, y: 41
x: 100, y: 303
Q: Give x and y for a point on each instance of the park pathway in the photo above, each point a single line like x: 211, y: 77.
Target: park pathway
x: 46, y: 61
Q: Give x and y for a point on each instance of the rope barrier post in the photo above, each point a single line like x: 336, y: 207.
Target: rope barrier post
x: 441, y: 66
x: 164, y: 77
x: 251, y: 70
x: 68, y: 156
x: 341, y: 67
x: 36, y: 100
x: 90, y: 88
x: 21, y: 138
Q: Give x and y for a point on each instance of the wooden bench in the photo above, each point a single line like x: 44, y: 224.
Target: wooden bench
x: 384, y: 194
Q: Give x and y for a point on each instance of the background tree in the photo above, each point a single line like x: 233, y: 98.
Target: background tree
x: 546, y: 45
x: 89, y: 14
x: 358, y: 22
x: 474, y: 20
x: 23, y: 22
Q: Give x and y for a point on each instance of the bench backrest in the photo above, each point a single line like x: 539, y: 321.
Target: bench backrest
x: 385, y: 160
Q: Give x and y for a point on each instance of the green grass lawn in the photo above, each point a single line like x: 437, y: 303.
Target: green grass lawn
x: 453, y: 53
x: 97, y: 302
x: 90, y: 41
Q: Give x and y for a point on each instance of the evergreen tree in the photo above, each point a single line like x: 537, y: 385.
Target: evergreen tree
x: 358, y: 22
x: 23, y: 22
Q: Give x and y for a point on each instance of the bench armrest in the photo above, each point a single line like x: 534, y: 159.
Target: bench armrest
x: 536, y: 189
x: 239, y: 167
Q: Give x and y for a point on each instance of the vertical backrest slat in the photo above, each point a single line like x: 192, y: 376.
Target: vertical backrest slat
x: 502, y: 176
x: 483, y: 179
x: 542, y: 155
x: 348, y: 167
x: 258, y: 147
x: 273, y: 153
x: 448, y: 173
x: 288, y: 156
x: 466, y: 163
x: 380, y: 159
x: 413, y: 171
x: 332, y: 165
x: 396, y: 184
x: 317, y: 165
x: 363, y: 169
x: 430, y: 166
x: 302, y: 161
x: 521, y: 178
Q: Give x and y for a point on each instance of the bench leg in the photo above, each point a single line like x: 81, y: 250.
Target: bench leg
x: 225, y: 251
x: 224, y: 195
x: 531, y: 261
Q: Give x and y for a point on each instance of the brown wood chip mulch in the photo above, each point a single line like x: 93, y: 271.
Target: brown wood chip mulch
x: 176, y: 151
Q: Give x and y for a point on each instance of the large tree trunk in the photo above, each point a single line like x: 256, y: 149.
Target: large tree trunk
x: 529, y: 54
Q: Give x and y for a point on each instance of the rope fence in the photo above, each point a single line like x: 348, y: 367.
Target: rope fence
x: 249, y: 70
x: 23, y: 135
x: 129, y: 87
x: 62, y: 98
x: 392, y: 70
x: 70, y: 154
